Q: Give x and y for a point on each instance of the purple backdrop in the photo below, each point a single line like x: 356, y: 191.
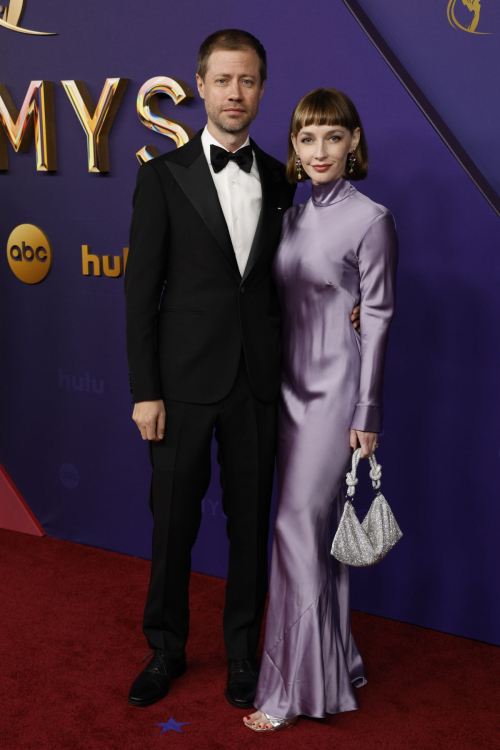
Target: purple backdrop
x: 67, y: 438
x: 457, y: 70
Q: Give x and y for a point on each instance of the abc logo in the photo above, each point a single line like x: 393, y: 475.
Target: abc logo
x: 29, y: 253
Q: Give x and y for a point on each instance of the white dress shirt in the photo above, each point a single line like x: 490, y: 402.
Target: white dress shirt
x: 240, y: 197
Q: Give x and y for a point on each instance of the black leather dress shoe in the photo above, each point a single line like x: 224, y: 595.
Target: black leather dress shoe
x: 153, y: 683
x: 242, y: 678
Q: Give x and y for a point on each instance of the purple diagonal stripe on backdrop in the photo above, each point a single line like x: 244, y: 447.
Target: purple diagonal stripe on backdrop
x: 452, y: 74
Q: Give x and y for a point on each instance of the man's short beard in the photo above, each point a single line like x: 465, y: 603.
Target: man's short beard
x: 235, y: 127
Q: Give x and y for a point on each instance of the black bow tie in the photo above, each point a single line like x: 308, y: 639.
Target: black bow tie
x: 220, y: 157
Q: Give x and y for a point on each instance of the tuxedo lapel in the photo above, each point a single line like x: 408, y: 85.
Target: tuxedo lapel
x: 192, y: 173
x: 268, y: 212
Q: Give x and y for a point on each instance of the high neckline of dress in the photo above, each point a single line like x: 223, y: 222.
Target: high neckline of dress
x: 330, y: 192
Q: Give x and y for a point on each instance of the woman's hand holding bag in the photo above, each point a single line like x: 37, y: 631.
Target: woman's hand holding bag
x: 363, y: 544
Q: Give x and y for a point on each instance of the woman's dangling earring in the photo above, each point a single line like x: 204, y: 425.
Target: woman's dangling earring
x: 351, y: 161
x: 299, y: 167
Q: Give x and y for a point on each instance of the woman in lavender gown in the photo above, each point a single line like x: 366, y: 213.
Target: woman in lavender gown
x: 337, y: 249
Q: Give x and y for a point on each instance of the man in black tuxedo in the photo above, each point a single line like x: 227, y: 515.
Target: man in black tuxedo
x: 205, y: 355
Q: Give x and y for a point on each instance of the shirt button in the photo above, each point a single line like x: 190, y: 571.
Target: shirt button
x: 233, y: 182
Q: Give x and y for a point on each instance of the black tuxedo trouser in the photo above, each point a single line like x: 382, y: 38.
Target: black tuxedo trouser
x: 245, y: 430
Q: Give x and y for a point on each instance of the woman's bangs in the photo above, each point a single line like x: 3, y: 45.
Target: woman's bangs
x: 321, y: 113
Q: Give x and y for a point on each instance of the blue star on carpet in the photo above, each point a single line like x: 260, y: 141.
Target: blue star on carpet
x: 172, y: 724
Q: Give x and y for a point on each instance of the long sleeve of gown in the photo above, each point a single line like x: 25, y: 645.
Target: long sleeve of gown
x: 377, y: 262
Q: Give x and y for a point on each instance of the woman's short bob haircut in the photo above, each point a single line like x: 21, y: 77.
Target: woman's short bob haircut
x: 327, y: 107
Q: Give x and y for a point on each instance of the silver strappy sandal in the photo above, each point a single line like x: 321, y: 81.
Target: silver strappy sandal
x: 276, y: 724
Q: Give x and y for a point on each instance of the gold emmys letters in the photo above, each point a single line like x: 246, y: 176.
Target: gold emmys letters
x: 96, y: 121
x: 36, y: 116
x: 150, y: 115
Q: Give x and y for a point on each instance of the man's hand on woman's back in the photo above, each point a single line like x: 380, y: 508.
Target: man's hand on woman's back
x: 355, y: 318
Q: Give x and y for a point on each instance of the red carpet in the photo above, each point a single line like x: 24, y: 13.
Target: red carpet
x: 71, y: 643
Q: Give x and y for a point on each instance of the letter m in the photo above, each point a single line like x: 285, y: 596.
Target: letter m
x: 36, y: 117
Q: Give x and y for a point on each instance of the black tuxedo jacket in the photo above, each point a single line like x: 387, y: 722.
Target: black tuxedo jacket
x: 185, y: 344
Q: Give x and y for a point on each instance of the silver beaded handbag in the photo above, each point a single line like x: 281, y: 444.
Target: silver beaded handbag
x: 363, y: 544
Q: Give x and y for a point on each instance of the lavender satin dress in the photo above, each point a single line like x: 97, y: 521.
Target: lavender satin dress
x: 337, y: 249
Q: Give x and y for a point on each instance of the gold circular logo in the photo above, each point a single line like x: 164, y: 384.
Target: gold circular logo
x: 29, y: 253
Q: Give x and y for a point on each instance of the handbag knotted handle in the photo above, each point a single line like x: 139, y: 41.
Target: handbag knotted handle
x: 375, y: 473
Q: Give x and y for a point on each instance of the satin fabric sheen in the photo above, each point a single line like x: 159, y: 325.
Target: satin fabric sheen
x: 337, y: 249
